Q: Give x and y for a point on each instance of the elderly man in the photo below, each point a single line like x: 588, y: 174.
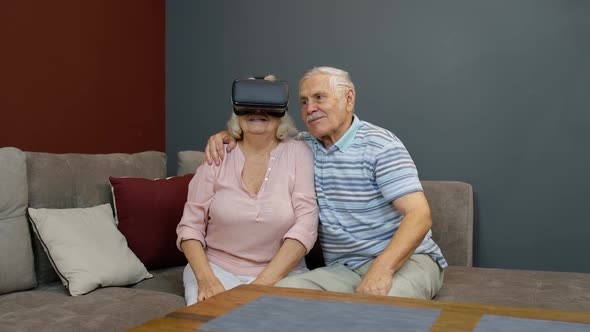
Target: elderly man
x: 374, y: 218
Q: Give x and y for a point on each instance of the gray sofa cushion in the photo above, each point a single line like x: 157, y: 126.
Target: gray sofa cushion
x: 61, y: 181
x: 451, y: 206
x: 106, y: 309
x: 168, y: 280
x: 16, y: 256
x: 188, y: 161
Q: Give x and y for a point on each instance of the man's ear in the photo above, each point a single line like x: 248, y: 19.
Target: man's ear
x: 350, y: 98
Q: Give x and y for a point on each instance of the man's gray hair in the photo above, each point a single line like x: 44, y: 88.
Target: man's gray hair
x: 340, y: 80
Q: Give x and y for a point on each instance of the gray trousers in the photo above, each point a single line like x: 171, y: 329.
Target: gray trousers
x: 420, y: 277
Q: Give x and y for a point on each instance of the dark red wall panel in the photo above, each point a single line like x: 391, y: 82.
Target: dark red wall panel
x: 82, y: 76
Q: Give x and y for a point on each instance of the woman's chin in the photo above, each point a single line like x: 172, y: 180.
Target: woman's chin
x: 258, y: 133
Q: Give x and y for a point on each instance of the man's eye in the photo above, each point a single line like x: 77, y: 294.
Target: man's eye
x: 304, y: 102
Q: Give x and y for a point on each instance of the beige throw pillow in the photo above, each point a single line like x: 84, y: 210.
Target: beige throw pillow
x: 86, y: 249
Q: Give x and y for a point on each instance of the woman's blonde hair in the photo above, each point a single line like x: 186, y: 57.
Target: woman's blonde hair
x: 286, y: 127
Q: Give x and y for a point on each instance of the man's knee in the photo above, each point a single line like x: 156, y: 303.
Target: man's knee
x: 404, y: 288
x: 420, y: 277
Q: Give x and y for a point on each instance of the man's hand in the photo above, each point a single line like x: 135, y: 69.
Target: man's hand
x: 214, y: 150
x: 209, y: 289
x: 376, y: 282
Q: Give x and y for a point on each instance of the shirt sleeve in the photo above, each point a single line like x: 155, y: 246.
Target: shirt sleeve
x: 395, y: 172
x: 193, y: 224
x: 305, y: 229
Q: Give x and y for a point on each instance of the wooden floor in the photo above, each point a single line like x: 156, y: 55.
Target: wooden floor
x: 455, y: 316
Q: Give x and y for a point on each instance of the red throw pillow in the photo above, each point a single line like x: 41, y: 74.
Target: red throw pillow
x: 148, y: 212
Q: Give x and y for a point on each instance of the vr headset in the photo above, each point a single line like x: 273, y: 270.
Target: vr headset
x: 251, y: 95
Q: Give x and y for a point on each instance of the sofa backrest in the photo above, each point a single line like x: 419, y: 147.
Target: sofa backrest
x: 451, y: 206
x: 188, y: 162
x: 80, y: 180
x: 16, y: 257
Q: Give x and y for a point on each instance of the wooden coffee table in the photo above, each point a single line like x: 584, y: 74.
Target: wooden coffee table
x: 454, y: 316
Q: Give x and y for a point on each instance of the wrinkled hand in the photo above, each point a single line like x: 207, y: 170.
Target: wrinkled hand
x: 376, y: 282
x: 214, y: 151
x: 209, y: 289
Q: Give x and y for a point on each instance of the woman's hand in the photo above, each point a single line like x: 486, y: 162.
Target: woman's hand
x: 209, y: 288
x: 214, y: 150
x: 208, y: 283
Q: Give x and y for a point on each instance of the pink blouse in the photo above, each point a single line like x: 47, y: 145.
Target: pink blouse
x: 240, y: 231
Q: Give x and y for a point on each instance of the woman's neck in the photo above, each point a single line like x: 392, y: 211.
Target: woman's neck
x: 258, y: 145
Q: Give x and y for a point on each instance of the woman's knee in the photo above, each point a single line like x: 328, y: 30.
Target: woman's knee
x: 191, y: 287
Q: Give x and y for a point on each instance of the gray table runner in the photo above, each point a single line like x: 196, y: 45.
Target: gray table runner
x: 492, y: 323
x: 276, y: 313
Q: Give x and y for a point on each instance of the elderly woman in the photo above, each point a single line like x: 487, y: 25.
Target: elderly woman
x: 252, y: 218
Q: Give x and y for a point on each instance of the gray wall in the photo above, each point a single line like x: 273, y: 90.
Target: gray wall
x: 494, y: 93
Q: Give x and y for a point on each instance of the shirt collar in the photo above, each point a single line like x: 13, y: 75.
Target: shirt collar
x: 348, y: 138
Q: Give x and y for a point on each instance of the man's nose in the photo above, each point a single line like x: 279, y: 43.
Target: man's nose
x: 311, y: 107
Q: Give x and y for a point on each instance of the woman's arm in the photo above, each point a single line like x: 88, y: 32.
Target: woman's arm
x: 192, y: 230
x: 282, y: 263
x: 305, y: 229
x: 193, y: 224
x: 207, y: 282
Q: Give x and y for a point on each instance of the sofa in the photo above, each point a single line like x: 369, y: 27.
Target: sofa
x: 32, y: 297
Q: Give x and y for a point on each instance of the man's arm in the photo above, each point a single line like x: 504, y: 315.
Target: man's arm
x: 414, y: 226
x: 214, y: 151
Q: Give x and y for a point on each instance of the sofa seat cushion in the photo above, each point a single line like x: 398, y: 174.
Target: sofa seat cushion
x: 106, y: 309
x: 539, y: 289
x: 167, y: 280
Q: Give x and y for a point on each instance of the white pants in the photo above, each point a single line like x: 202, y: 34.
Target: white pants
x: 228, y: 280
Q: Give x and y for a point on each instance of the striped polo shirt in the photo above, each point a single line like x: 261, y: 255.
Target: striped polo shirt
x: 356, y: 180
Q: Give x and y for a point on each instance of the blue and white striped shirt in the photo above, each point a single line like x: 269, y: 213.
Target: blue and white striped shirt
x: 356, y: 180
